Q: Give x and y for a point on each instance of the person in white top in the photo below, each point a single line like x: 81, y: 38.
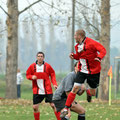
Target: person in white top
x: 19, y: 81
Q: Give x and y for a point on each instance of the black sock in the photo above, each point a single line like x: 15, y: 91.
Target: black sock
x: 81, y: 117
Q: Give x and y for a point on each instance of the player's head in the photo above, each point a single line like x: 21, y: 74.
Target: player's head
x: 79, y: 35
x: 18, y: 70
x: 40, y: 57
x: 40, y: 53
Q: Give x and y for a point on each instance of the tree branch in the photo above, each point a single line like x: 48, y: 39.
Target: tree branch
x: 3, y: 30
x: 98, y: 34
x: 85, y: 6
x: 4, y: 11
x: 52, y: 6
x: 29, y: 7
x: 116, y: 23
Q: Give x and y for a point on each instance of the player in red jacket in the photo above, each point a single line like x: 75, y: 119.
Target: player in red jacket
x: 89, y: 53
x: 42, y: 74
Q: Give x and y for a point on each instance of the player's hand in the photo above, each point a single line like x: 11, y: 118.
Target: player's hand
x: 69, y: 113
x: 55, y: 86
x: 34, y: 77
x: 97, y: 59
x: 71, y: 55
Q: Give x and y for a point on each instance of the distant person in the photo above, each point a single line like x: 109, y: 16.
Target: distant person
x: 19, y: 81
x: 60, y: 95
x: 42, y: 75
x: 89, y: 53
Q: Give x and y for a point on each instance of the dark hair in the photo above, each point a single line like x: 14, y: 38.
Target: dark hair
x: 75, y: 64
x: 41, y: 53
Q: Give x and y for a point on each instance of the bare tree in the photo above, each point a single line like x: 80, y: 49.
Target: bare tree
x: 12, y: 46
x: 105, y: 40
x: 102, y: 31
x: 12, y: 43
x: 52, y: 37
x: 12, y: 49
x: 42, y: 36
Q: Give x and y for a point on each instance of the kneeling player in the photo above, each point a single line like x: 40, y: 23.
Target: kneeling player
x: 60, y: 96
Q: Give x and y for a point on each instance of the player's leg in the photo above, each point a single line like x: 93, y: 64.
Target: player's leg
x: 80, y: 78
x: 60, y: 104
x: 57, y: 114
x: 70, y: 99
x: 18, y: 91
x: 93, y: 82
x: 37, y: 99
x: 36, y: 112
x: 81, y: 90
x: 79, y: 110
x: 66, y: 117
x: 49, y: 99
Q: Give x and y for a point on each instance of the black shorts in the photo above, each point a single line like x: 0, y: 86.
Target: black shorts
x: 59, y: 104
x: 39, y: 98
x: 92, y: 79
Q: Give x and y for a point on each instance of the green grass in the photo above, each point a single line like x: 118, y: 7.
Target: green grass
x: 2, y: 85
x: 21, y: 109
x: 26, y: 89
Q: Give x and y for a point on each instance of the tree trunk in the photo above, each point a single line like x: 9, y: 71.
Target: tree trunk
x: 105, y: 40
x: 12, y: 49
x: 42, y: 38
x: 73, y: 29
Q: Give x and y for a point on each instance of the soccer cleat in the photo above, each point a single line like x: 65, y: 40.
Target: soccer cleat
x: 89, y: 98
x: 64, y: 113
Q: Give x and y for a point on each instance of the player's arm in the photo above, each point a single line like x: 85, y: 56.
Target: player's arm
x: 102, y: 51
x: 74, y: 55
x: 53, y: 77
x: 29, y: 74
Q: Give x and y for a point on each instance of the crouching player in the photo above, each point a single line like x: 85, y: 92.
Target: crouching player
x: 60, y: 96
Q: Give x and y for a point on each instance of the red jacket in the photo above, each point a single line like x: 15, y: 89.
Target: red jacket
x: 86, y: 53
x: 47, y: 73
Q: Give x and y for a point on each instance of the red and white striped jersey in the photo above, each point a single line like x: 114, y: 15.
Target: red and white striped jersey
x: 45, y: 75
x: 86, y: 54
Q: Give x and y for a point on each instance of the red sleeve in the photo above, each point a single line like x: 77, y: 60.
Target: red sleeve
x: 76, y: 55
x: 29, y: 73
x: 100, y: 48
x: 52, y: 75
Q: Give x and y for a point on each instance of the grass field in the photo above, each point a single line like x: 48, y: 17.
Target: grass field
x: 21, y: 109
